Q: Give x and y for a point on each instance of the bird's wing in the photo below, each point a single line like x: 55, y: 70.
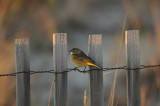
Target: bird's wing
x: 91, y: 59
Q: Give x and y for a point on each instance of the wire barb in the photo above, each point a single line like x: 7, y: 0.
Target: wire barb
x: 76, y: 69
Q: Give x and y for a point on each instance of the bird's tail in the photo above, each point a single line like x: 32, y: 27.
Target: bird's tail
x: 92, y: 64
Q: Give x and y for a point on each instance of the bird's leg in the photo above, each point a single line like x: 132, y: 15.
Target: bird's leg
x: 76, y: 68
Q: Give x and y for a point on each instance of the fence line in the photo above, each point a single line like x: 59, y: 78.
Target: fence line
x: 78, y: 70
x: 96, y: 75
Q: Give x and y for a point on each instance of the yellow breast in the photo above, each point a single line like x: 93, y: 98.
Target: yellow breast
x: 78, y: 62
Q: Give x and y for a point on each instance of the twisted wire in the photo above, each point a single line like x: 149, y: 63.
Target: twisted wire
x: 76, y: 69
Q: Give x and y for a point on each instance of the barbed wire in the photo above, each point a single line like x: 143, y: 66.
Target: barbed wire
x: 76, y: 69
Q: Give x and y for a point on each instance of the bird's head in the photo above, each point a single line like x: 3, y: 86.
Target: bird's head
x: 75, y: 51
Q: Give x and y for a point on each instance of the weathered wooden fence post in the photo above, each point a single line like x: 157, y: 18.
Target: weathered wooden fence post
x: 133, y: 61
x: 96, y: 77
x: 22, y: 65
x: 60, y: 65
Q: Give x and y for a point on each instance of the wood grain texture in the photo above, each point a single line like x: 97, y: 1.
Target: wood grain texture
x: 60, y: 65
x: 22, y: 65
x: 96, y: 77
x: 133, y: 61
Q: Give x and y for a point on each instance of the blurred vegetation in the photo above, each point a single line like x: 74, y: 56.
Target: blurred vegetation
x: 39, y: 19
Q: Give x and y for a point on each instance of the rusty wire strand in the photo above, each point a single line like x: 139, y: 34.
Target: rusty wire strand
x: 76, y: 69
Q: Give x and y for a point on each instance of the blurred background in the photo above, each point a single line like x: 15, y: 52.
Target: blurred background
x: 39, y: 19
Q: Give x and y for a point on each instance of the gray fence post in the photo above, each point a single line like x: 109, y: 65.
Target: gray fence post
x: 22, y: 65
x: 60, y: 65
x: 96, y: 77
x: 133, y: 61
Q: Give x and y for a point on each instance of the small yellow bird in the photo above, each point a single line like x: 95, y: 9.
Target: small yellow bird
x: 80, y: 59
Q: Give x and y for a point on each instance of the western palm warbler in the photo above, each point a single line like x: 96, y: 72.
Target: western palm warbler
x: 80, y: 59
